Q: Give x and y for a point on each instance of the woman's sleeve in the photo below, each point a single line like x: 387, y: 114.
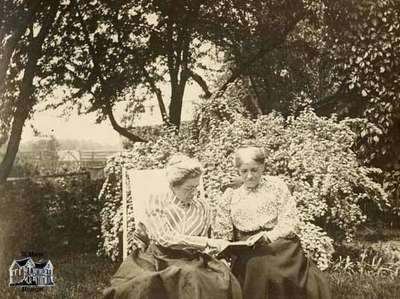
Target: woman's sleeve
x: 288, y: 217
x: 140, y: 237
x: 223, y: 227
x: 162, y: 224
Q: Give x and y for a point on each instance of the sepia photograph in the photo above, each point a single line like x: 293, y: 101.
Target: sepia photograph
x: 200, y: 149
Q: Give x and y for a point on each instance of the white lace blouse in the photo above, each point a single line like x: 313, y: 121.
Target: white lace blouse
x: 269, y: 206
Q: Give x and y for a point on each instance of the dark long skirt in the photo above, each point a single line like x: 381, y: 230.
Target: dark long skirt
x: 279, y: 270
x: 161, y: 273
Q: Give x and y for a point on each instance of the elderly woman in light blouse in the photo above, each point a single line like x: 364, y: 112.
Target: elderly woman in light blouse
x: 174, y: 261
x: 263, y: 208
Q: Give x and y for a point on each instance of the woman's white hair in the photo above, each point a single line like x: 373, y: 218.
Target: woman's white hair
x: 180, y: 168
x: 254, y: 153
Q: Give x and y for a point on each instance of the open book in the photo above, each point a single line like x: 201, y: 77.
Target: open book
x: 235, y: 247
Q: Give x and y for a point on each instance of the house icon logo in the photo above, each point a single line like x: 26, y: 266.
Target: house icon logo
x: 25, y: 272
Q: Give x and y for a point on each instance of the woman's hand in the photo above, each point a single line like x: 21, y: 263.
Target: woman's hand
x: 215, y: 246
x: 257, y: 237
x: 225, y: 262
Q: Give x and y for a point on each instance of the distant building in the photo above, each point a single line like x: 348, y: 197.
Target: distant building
x: 68, y: 161
x: 94, y: 162
x: 68, y: 156
x: 25, y: 272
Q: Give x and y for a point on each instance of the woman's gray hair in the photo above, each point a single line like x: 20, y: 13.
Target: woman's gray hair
x: 180, y: 168
x: 254, y: 153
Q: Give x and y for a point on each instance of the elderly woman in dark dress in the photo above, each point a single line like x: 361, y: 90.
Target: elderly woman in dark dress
x: 174, y: 264
x: 263, y: 208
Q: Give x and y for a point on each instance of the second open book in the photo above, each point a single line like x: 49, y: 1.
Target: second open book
x: 235, y: 247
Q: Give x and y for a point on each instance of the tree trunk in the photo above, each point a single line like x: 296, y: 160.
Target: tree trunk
x: 255, y: 99
x: 175, y: 106
x: 25, y: 100
x: 21, y: 114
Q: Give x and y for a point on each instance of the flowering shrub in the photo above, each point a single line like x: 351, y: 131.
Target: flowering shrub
x: 311, y: 153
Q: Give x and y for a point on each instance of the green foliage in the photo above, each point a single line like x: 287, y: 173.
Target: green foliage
x: 364, y: 41
x: 311, y: 153
x: 72, y: 211
x: 367, y: 59
x: 53, y: 216
x: 297, y: 71
x: 349, y: 57
x: 392, y: 187
x: 18, y: 207
x: 21, y: 51
x: 108, y: 53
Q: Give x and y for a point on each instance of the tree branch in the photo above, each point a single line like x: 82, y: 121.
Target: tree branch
x: 121, y: 130
x: 13, y: 40
x: 241, y: 68
x: 153, y: 86
x: 328, y: 101
x: 106, y: 105
x: 200, y: 81
x: 158, y: 94
x: 185, y: 74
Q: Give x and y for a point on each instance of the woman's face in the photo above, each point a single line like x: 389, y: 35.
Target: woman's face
x: 186, y: 190
x: 251, y: 173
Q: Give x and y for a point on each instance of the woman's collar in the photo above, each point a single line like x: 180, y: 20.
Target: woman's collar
x: 190, y: 202
x: 256, y: 188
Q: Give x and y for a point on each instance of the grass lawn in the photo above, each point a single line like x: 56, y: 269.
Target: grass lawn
x: 84, y: 276
x: 345, y: 286
x: 79, y: 276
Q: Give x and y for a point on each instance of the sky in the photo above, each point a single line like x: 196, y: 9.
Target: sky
x: 84, y: 127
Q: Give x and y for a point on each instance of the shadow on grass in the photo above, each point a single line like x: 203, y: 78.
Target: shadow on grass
x: 85, y: 276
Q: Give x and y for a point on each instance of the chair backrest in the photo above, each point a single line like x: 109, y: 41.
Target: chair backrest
x: 142, y: 184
